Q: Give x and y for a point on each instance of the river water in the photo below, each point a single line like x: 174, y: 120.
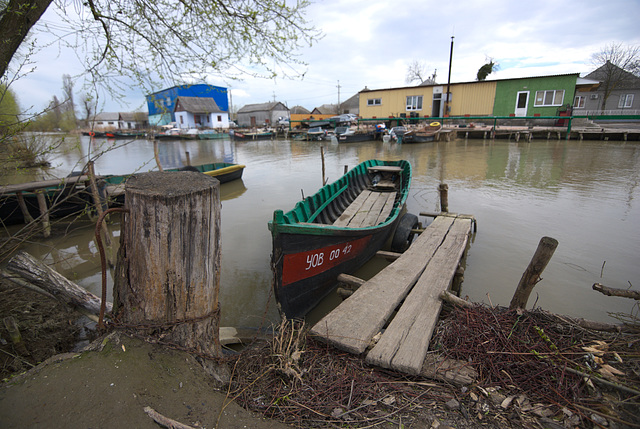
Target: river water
x: 585, y: 194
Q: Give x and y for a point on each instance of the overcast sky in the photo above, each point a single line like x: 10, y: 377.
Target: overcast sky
x: 372, y: 42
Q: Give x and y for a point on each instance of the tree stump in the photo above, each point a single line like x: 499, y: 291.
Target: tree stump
x: 168, y: 269
x: 531, y: 276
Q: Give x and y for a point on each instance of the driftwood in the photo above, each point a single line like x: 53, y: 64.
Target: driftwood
x: 633, y: 294
x: 531, y: 276
x: 453, y: 371
x: 165, y: 421
x: 452, y: 299
x: 66, y: 291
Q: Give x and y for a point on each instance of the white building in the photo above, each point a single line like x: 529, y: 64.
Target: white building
x: 199, y: 112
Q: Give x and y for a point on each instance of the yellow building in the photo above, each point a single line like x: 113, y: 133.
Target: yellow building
x: 469, y: 98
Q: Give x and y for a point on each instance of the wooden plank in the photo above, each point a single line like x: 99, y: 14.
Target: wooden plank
x: 360, y: 217
x: 352, y: 324
x: 386, y: 210
x: 372, y: 217
x: 31, y: 186
x: 353, y: 208
x: 405, y: 342
x: 385, y: 169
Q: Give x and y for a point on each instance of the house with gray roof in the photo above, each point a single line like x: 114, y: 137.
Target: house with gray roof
x: 257, y: 115
x: 618, y: 93
x: 199, y: 112
x: 113, y: 121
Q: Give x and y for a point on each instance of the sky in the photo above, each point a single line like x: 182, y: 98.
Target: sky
x: 371, y: 43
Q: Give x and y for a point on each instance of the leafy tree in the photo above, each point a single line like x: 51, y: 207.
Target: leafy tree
x: 618, y: 68
x: 158, y: 41
x: 9, y: 108
x: 488, y: 68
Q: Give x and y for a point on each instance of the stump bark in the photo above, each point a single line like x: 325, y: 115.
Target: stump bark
x: 168, y: 268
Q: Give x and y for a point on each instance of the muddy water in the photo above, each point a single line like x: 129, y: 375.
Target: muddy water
x: 584, y: 194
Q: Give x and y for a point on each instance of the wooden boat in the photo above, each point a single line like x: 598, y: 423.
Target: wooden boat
x: 260, y: 135
x: 210, y: 135
x: 335, y: 231
x: 72, y: 195
x: 422, y: 135
x: 349, y: 135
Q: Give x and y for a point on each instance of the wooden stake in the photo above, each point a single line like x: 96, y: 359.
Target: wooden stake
x: 97, y: 201
x: 324, y: 181
x: 156, y: 155
x: 444, y: 197
x: 44, y: 213
x: 188, y: 157
x: 531, y: 276
x: 23, y: 207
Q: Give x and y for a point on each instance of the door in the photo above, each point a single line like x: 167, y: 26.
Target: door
x: 522, y: 101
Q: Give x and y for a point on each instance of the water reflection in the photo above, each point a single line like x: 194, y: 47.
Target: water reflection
x: 583, y: 193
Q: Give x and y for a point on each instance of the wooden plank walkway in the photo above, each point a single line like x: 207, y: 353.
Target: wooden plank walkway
x: 417, y: 277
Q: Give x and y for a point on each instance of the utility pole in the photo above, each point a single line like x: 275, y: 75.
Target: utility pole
x: 448, y: 96
x: 338, y: 98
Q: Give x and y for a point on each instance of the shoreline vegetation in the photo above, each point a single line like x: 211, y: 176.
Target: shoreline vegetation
x: 532, y: 369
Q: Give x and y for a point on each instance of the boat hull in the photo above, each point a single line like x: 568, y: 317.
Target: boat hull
x: 309, y: 251
x: 353, y: 138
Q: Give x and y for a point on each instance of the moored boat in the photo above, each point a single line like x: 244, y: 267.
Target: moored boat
x: 335, y: 231
x: 350, y: 135
x: 72, y: 196
x: 422, y: 135
x: 249, y: 135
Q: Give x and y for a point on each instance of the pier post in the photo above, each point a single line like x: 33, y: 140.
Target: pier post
x: 531, y: 276
x: 44, y: 213
x: 168, y: 269
x: 443, y: 188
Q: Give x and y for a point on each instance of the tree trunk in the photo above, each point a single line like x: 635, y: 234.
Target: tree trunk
x: 531, y: 276
x: 168, y: 269
x: 15, y: 22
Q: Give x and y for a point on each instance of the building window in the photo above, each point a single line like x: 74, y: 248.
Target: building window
x: 578, y: 102
x: 374, y: 102
x: 553, y: 97
x: 219, y: 118
x: 414, y: 102
x: 181, y: 120
x: 626, y: 101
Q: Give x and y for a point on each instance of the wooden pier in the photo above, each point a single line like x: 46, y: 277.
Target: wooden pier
x: 524, y: 133
x: 408, y: 288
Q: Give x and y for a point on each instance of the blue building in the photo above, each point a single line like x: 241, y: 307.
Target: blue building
x: 162, y: 104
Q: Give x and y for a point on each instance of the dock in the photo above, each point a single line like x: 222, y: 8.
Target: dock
x: 401, y: 304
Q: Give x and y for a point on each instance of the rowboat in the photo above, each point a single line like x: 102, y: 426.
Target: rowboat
x: 241, y: 135
x: 72, y: 195
x: 336, y: 231
x: 422, y: 135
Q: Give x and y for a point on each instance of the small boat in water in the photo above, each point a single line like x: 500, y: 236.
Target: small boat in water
x: 251, y: 135
x: 336, y: 231
x: 350, y: 135
x: 72, y: 195
x: 422, y: 135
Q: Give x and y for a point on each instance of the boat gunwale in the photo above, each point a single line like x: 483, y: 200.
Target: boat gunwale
x: 303, y: 226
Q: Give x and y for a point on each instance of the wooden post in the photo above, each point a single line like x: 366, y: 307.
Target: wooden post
x: 444, y: 197
x: 168, y: 269
x: 44, y: 213
x: 188, y: 157
x: 324, y: 181
x: 156, y: 154
x: 531, y: 276
x: 97, y: 201
x: 23, y: 207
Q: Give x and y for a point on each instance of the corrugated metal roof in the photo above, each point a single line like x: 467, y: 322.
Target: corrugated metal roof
x: 261, y: 107
x: 197, y: 105
x: 107, y: 116
x: 473, y: 81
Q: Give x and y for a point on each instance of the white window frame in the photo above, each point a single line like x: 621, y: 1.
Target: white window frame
x: 626, y: 101
x: 546, y: 98
x: 414, y: 102
x: 578, y: 102
x: 374, y: 102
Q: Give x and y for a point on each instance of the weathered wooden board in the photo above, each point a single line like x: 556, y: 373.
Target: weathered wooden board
x: 386, y: 210
x: 405, y: 342
x: 378, y: 207
x: 353, y: 208
x: 352, y: 325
